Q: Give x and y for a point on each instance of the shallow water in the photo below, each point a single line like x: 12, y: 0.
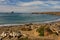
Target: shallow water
x: 20, y: 18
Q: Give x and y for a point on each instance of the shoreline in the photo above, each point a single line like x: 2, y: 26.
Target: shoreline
x: 46, y: 22
x: 50, y: 21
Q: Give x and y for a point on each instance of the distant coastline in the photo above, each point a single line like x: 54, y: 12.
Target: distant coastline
x: 52, y: 13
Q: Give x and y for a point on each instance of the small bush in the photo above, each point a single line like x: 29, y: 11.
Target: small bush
x: 26, y: 38
x: 48, y: 30
x: 41, y: 31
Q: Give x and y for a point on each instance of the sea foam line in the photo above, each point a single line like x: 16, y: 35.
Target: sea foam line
x: 10, y: 24
x: 52, y: 21
x: 32, y: 23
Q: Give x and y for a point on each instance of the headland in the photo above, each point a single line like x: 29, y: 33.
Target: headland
x: 52, y: 13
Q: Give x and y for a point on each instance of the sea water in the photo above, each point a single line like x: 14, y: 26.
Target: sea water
x: 21, y: 18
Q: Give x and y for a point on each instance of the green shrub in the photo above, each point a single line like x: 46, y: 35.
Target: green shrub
x: 48, y: 30
x: 41, y: 31
x: 26, y: 38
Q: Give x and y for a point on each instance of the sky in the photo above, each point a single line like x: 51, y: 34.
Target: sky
x: 29, y: 5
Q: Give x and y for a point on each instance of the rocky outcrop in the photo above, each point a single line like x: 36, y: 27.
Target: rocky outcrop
x: 10, y: 35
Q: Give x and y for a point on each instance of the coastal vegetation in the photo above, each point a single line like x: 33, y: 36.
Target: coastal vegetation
x: 33, y: 31
x: 26, y: 38
x: 41, y: 31
x: 48, y: 30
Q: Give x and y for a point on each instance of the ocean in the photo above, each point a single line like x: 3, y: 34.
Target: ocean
x: 21, y: 18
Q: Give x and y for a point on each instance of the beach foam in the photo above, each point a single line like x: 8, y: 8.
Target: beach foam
x: 32, y: 23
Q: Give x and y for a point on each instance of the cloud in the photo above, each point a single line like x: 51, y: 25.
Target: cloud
x: 32, y: 6
x: 2, y: 0
x: 40, y: 4
x: 56, y: 7
x: 16, y: 9
x: 30, y: 3
x: 46, y: 0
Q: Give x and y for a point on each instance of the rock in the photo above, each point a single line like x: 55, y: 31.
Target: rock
x: 28, y: 24
x: 3, y: 34
x: 0, y: 38
x: 15, y: 34
x: 25, y: 35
